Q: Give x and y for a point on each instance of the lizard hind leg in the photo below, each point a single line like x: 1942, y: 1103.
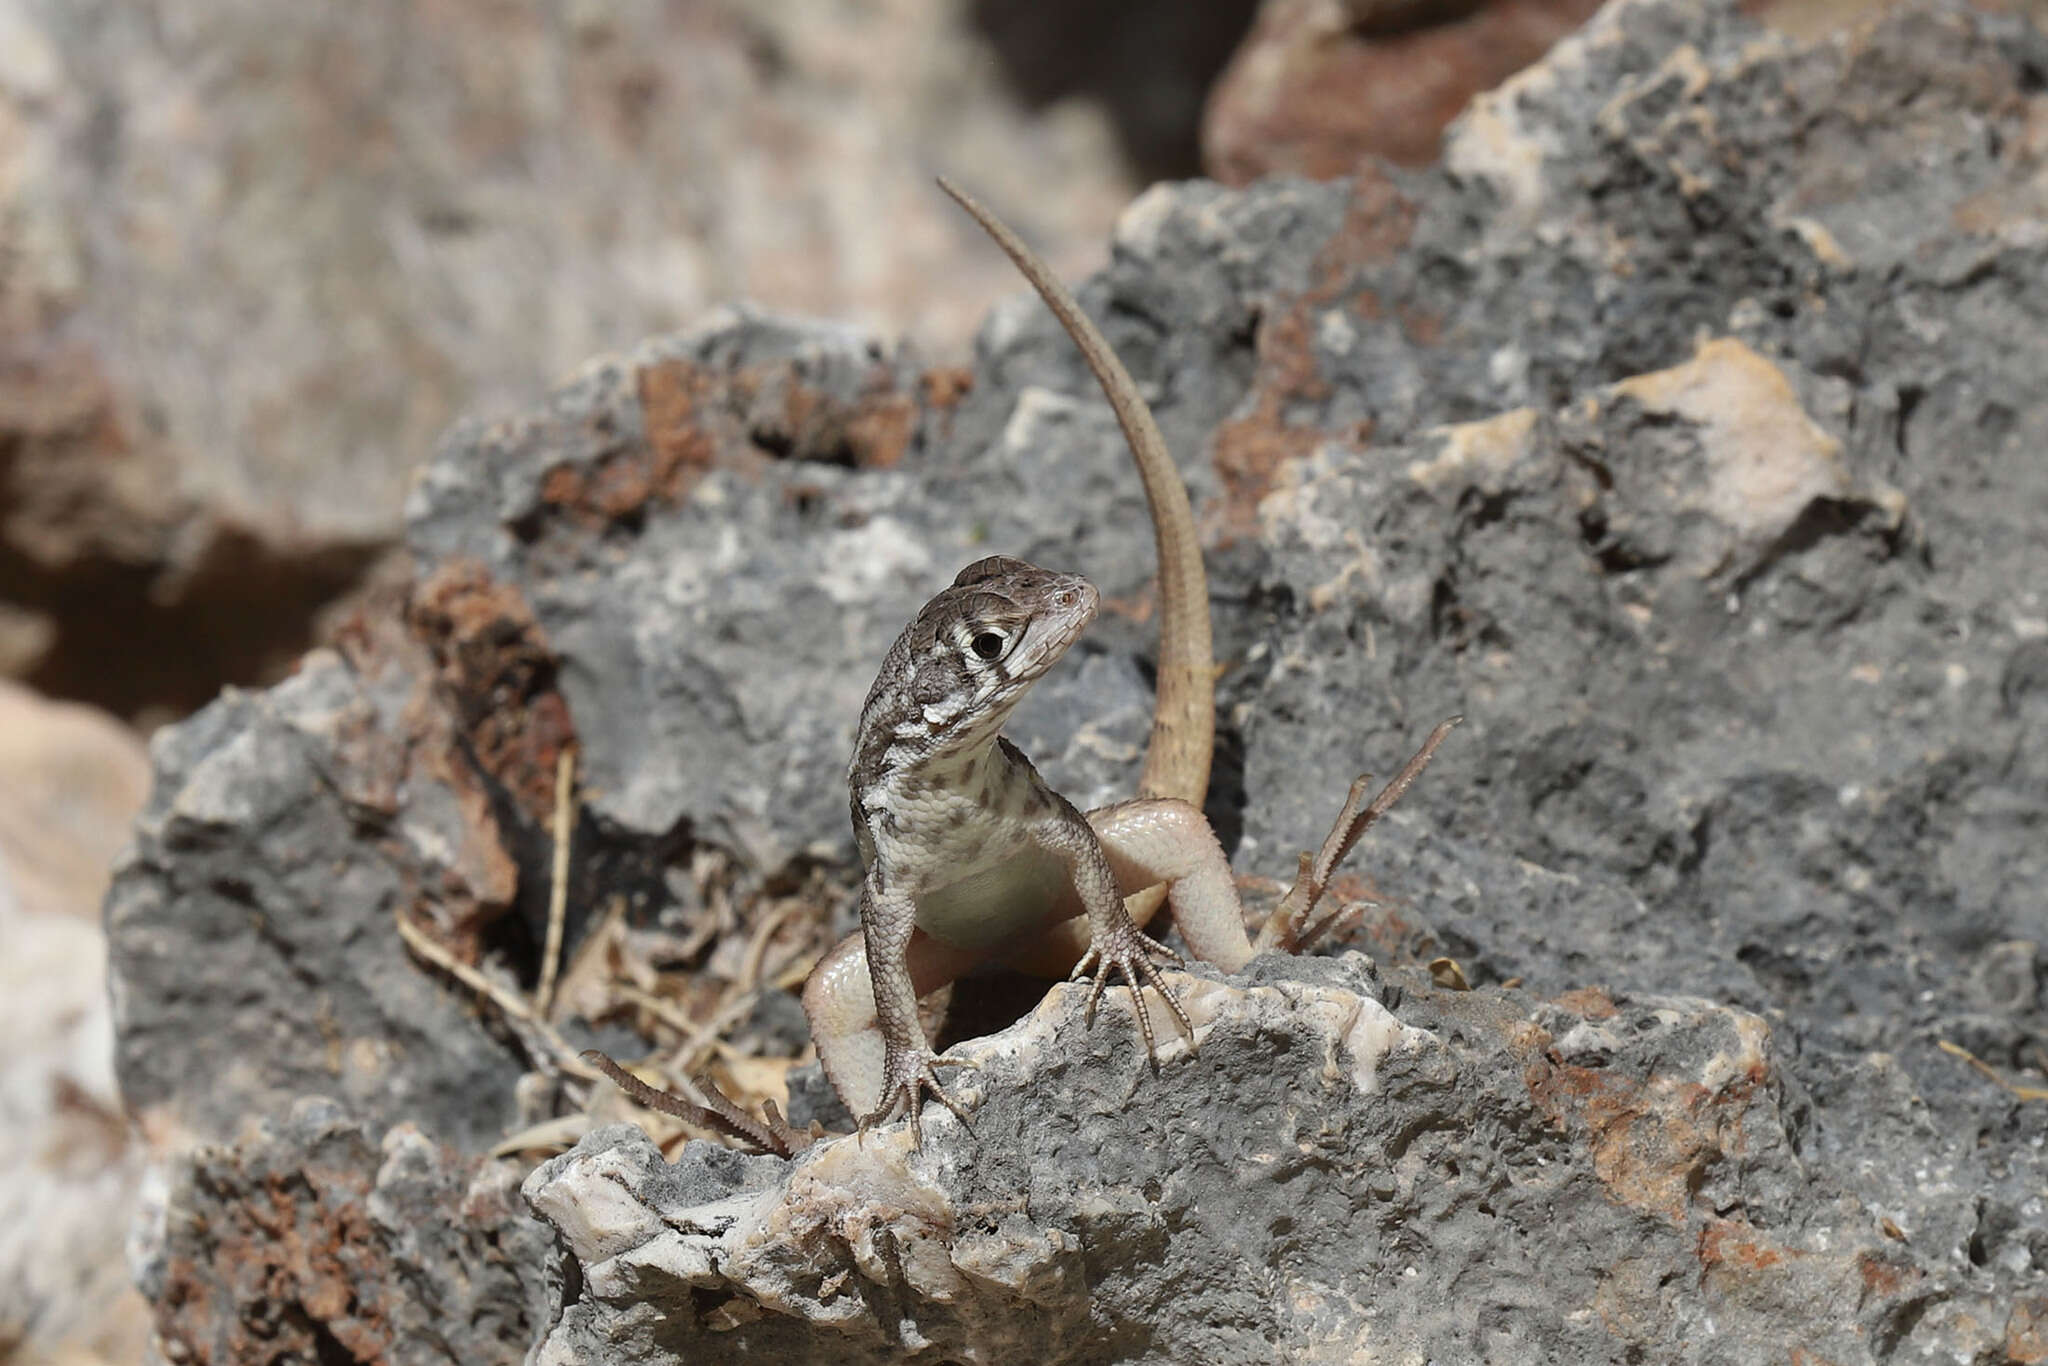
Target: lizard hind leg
x: 1288, y: 929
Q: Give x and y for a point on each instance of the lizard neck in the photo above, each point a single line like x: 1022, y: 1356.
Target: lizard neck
x: 978, y: 768
x: 928, y: 754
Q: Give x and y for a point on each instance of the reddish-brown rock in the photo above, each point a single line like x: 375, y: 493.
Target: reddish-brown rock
x: 1321, y: 87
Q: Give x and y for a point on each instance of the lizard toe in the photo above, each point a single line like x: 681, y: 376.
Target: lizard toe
x: 1132, y: 960
x: 907, y: 1081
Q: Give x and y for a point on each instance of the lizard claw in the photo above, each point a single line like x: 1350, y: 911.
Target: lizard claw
x: 1130, y: 954
x: 906, y: 1078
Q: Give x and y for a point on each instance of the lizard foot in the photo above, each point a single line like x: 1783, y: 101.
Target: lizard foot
x: 1130, y: 954
x: 906, y: 1077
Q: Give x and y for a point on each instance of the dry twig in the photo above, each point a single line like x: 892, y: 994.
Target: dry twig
x: 558, y: 888
x: 556, y: 1054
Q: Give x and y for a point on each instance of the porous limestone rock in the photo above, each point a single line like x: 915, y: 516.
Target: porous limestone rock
x: 1475, y: 1176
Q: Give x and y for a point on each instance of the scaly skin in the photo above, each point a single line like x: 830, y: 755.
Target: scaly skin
x: 968, y: 852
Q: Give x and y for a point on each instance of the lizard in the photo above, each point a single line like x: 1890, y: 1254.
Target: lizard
x: 968, y: 854
x: 968, y: 851
x: 1008, y: 862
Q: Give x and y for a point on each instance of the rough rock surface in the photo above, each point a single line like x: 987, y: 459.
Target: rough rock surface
x: 312, y: 1242
x: 71, y: 780
x: 1377, y: 1188
x: 246, y: 975
x: 1321, y: 88
x: 1325, y: 88
x: 1681, y: 431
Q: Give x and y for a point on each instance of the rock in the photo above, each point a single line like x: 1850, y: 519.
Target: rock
x: 25, y: 639
x: 1770, y: 761
x: 122, y: 583
x: 1666, y: 433
x: 117, y: 585
x: 236, y: 308
x: 71, y: 779
x: 1323, y: 88
x: 243, y: 982
x: 327, y: 1245
x: 742, y: 652
x: 1148, y: 63
x: 1497, y: 1178
x: 428, y: 220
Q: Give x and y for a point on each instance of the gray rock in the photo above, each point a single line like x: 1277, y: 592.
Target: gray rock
x: 1745, y: 744
x: 252, y: 956
x: 712, y: 631
x: 311, y: 1242
x: 1495, y: 1178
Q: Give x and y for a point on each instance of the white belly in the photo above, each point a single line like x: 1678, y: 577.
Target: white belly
x: 962, y: 837
x: 994, y: 902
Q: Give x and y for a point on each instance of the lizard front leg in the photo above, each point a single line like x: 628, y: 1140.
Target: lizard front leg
x: 839, y: 1002
x: 1149, y: 841
x: 888, y: 922
x: 1115, y: 942
x: 1154, y: 840
x: 1145, y: 841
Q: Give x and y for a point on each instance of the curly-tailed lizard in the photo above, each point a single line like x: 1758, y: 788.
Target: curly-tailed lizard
x: 970, y: 856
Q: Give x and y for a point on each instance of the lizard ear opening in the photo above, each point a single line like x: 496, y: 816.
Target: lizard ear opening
x: 995, y: 566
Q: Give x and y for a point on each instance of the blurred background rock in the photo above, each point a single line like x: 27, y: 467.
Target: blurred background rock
x: 254, y: 258
x: 71, y: 778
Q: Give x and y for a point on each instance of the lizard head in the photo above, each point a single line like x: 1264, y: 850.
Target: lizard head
x: 959, y: 669
x: 1007, y: 622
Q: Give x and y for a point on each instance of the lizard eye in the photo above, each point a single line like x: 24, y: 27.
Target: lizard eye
x: 988, y: 644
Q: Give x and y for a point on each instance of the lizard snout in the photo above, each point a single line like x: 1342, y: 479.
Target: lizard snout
x: 1077, y: 596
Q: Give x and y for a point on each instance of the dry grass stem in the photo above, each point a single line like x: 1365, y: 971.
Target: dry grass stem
x: 554, y: 1053
x: 558, y: 885
x: 1999, y: 1079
